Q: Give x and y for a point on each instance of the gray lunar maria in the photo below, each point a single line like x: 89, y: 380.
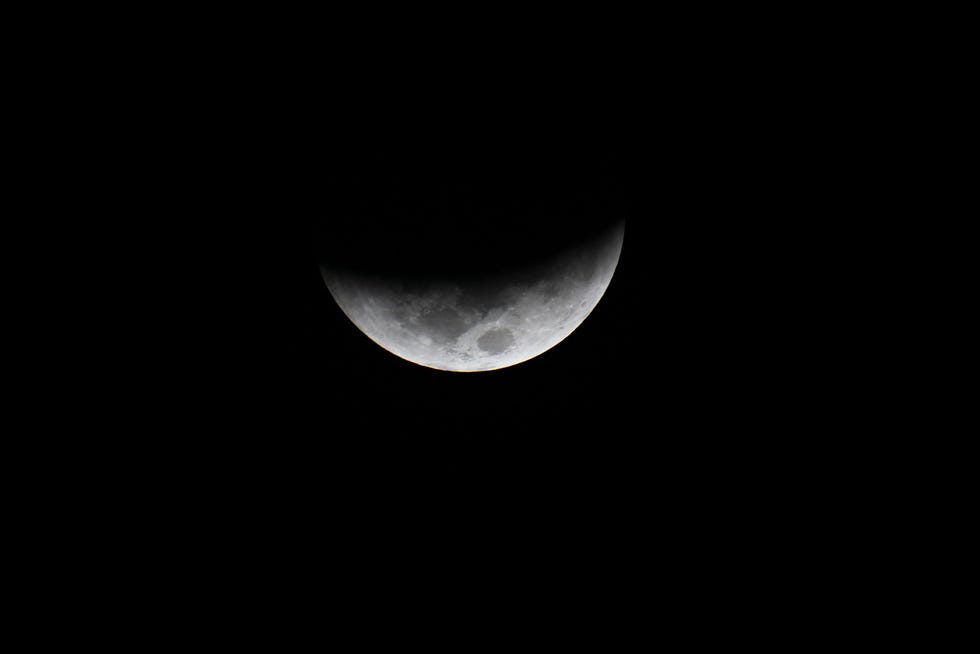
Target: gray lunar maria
x: 497, y: 321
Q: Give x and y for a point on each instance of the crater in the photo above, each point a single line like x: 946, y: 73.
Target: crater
x: 443, y: 324
x: 496, y: 341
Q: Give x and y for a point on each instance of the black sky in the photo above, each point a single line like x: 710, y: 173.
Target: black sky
x: 680, y: 431
x: 638, y: 393
x: 673, y: 383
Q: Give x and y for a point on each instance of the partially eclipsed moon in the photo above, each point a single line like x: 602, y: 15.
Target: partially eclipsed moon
x: 500, y: 321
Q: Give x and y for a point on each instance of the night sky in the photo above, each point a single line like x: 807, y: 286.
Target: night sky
x: 637, y: 394
x: 672, y: 384
x: 684, y: 430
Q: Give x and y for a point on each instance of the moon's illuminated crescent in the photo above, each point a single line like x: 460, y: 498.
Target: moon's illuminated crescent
x: 467, y: 327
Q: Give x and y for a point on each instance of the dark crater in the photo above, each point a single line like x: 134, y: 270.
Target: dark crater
x: 443, y: 325
x: 496, y: 341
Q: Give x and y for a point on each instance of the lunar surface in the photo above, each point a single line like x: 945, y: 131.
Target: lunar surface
x: 494, y: 322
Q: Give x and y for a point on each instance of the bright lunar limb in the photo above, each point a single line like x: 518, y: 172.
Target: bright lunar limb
x: 499, y: 321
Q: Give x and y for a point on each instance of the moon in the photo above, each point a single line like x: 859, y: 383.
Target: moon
x: 491, y: 322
